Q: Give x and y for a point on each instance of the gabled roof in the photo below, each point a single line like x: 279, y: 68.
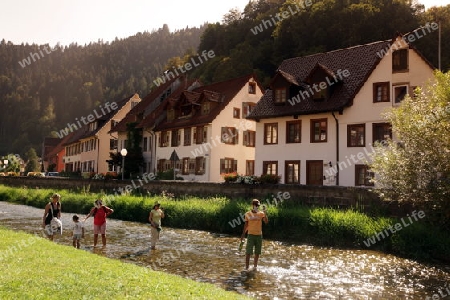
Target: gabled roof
x: 58, y: 148
x: 104, y: 119
x: 153, y: 117
x: 83, y: 132
x: 133, y: 115
x: 221, y: 92
x: 359, y: 61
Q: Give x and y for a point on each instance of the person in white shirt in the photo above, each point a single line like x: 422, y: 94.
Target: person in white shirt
x: 78, y: 231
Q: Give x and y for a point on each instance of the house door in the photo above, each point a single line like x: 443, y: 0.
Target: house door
x: 314, y: 172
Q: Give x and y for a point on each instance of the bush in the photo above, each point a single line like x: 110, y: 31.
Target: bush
x: 269, y: 179
x: 230, y: 177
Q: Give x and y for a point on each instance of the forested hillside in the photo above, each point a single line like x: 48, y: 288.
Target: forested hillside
x: 43, y: 88
x: 70, y: 81
x: 266, y: 32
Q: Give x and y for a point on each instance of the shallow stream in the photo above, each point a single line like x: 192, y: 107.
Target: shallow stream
x: 286, y: 271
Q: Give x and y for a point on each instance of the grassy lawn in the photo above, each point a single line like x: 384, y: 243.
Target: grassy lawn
x: 35, y: 268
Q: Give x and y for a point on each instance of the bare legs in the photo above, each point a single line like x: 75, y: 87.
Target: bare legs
x: 255, y: 261
x: 103, y: 239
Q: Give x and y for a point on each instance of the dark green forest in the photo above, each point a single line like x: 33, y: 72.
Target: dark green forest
x: 72, y: 80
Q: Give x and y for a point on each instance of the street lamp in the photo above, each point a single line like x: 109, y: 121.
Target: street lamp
x: 123, y: 152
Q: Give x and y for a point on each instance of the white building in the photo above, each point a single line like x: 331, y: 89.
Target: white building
x: 206, y: 127
x: 318, y: 122
x: 88, y: 147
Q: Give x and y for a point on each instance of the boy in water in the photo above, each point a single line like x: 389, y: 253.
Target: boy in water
x: 253, y: 225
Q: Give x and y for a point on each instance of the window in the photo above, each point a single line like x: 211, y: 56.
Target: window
x: 381, y: 92
x: 400, y: 91
x: 293, y: 131
x: 356, y: 135
x: 363, y: 176
x: 322, y: 94
x: 199, y: 165
x: 228, y: 165
x: 252, y: 87
x: 319, y: 131
x: 270, y: 168
x: 229, y: 135
x: 381, y: 132
x: 292, y: 171
x: 176, y: 138
x: 236, y: 113
x: 164, y: 139
x: 249, y: 138
x: 145, y: 144
x: 249, y: 167
x: 192, y: 166
x: 200, y: 134
x: 161, y: 164
x: 206, y: 106
x: 400, y: 60
x: 187, y: 136
x: 170, y: 114
x: 92, y: 126
x: 247, y: 108
x: 112, y: 144
x: 185, y: 166
x: 270, y: 133
x: 280, y: 96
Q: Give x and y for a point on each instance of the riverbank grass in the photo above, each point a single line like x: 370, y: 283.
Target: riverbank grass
x: 35, y: 268
x: 289, y: 221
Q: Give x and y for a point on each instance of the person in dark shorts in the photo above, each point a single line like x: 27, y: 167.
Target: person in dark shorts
x: 253, y: 226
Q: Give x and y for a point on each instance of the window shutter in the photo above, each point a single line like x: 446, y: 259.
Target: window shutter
x: 222, y: 166
x: 234, y: 165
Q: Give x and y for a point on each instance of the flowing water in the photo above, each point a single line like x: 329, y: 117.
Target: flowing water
x: 285, y: 271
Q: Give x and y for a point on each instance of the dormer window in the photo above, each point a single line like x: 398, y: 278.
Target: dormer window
x: 280, y: 95
x: 170, y: 114
x: 321, y: 91
x: 400, y: 60
x: 92, y: 126
x: 206, y: 106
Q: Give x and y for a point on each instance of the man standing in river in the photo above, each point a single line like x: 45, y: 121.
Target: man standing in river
x: 253, y: 226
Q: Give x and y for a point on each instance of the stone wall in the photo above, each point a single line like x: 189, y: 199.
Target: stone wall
x: 328, y: 196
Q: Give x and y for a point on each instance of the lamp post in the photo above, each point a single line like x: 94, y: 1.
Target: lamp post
x: 123, y: 152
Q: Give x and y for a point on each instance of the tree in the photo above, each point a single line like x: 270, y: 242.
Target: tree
x: 32, y: 164
x: 416, y: 168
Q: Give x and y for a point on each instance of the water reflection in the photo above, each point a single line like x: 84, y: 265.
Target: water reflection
x: 285, y: 271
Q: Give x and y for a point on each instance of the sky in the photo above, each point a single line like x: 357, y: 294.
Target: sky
x: 84, y: 21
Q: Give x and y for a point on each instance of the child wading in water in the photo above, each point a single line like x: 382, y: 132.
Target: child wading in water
x: 78, y: 231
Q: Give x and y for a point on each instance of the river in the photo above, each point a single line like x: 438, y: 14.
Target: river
x: 285, y: 271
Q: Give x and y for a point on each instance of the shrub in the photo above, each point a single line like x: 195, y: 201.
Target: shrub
x: 269, y: 179
x: 230, y: 177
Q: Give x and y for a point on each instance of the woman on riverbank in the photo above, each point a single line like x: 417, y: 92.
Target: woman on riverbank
x: 156, y: 214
